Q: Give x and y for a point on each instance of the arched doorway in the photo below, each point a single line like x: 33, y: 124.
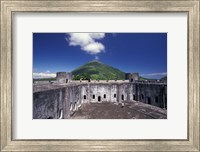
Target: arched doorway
x: 99, y: 98
x: 148, y: 100
x: 71, y: 107
x: 75, y: 107
x: 122, y: 97
x: 60, y: 114
x: 93, y: 96
x: 156, y: 99
x: 141, y: 98
x: 134, y: 97
x: 84, y: 96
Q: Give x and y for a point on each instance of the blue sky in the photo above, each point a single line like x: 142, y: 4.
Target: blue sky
x: 145, y: 53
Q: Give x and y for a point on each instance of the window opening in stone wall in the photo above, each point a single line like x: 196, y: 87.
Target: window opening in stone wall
x: 60, y: 114
x: 134, y: 97
x: 156, y: 99
x: 99, y: 98
x: 115, y: 95
x: 71, y: 107
x: 104, y: 95
x: 122, y: 97
x: 93, y: 96
x: 148, y: 100
x: 75, y: 106
x: 84, y: 96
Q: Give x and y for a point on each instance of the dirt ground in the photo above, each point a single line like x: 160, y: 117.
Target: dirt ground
x: 125, y: 110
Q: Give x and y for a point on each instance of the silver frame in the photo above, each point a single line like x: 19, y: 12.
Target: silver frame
x: 9, y: 7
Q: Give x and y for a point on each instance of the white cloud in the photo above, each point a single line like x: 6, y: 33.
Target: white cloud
x: 94, y: 48
x: 155, y: 74
x: 87, y: 42
x: 97, y: 35
x: 80, y: 39
x: 44, y: 75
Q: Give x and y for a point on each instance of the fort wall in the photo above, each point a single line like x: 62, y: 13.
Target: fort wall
x: 55, y: 102
x: 61, y: 77
x: 49, y: 104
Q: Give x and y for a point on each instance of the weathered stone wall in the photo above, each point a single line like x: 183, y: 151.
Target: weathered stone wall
x: 150, y: 93
x: 134, y: 77
x: 41, y: 82
x: 50, y: 103
x: 61, y: 77
x: 154, y: 94
x: 69, y: 77
x: 100, y: 93
x: 127, y: 75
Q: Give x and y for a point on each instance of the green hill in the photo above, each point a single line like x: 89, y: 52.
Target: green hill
x: 96, y: 70
x: 44, y: 79
x: 144, y: 79
x: 163, y: 78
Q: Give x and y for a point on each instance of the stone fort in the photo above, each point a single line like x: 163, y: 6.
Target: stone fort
x: 59, y: 99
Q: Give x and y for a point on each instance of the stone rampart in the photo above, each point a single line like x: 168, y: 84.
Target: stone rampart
x: 61, y: 102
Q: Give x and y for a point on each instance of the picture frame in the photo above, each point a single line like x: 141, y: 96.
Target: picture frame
x: 8, y: 8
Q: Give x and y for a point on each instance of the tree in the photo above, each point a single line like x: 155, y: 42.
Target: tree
x: 85, y: 76
x: 77, y: 77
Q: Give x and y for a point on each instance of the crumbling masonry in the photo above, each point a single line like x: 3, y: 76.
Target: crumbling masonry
x: 57, y: 100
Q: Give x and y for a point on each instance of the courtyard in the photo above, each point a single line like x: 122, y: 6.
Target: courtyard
x: 115, y: 110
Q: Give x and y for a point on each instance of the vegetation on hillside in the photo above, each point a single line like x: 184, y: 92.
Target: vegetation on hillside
x: 164, y: 78
x: 98, y: 71
x: 44, y: 79
x: 144, y: 79
x: 83, y: 76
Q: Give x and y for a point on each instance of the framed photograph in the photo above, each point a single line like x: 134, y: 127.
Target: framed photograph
x: 100, y: 75
x: 94, y: 89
